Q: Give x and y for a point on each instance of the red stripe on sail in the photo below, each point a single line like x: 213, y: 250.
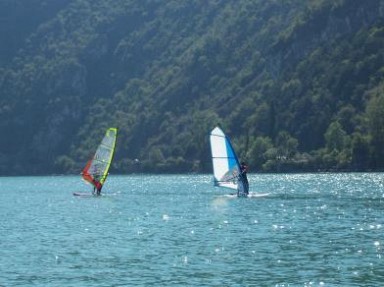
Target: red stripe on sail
x: 86, y: 175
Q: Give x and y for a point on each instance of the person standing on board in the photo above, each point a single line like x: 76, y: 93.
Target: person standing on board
x: 243, y: 176
x: 98, y: 188
x: 97, y: 185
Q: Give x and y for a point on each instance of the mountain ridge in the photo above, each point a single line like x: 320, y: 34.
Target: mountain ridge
x: 292, y: 83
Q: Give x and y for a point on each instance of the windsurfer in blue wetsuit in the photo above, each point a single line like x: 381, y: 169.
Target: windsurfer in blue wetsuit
x: 243, y: 175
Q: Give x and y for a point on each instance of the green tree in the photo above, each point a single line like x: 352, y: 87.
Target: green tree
x: 375, y: 115
x: 258, y: 150
x: 286, y: 145
x: 360, y: 151
x: 335, y: 137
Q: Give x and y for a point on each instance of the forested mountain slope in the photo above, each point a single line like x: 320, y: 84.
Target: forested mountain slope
x: 298, y: 85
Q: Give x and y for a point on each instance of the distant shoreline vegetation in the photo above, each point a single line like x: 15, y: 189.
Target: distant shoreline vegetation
x: 269, y: 167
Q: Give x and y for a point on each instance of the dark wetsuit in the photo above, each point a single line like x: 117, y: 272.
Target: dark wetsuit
x: 97, y: 187
x: 243, y: 177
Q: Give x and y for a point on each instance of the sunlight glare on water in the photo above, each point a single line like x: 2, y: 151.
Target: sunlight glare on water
x: 177, y: 230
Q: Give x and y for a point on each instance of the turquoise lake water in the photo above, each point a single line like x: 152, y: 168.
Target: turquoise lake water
x: 178, y: 230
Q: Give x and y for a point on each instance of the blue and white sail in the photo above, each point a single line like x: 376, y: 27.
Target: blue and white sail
x: 226, y: 167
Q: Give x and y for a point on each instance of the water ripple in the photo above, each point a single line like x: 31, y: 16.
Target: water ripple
x: 175, y: 230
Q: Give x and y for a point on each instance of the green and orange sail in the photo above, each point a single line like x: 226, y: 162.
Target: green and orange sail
x: 96, y: 170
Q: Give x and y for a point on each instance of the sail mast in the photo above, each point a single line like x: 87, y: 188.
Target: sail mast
x: 96, y: 170
x: 226, y: 166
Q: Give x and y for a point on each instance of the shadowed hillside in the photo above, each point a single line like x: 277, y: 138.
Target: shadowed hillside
x: 297, y: 85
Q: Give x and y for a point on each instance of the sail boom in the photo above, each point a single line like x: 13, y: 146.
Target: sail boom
x: 226, y: 166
